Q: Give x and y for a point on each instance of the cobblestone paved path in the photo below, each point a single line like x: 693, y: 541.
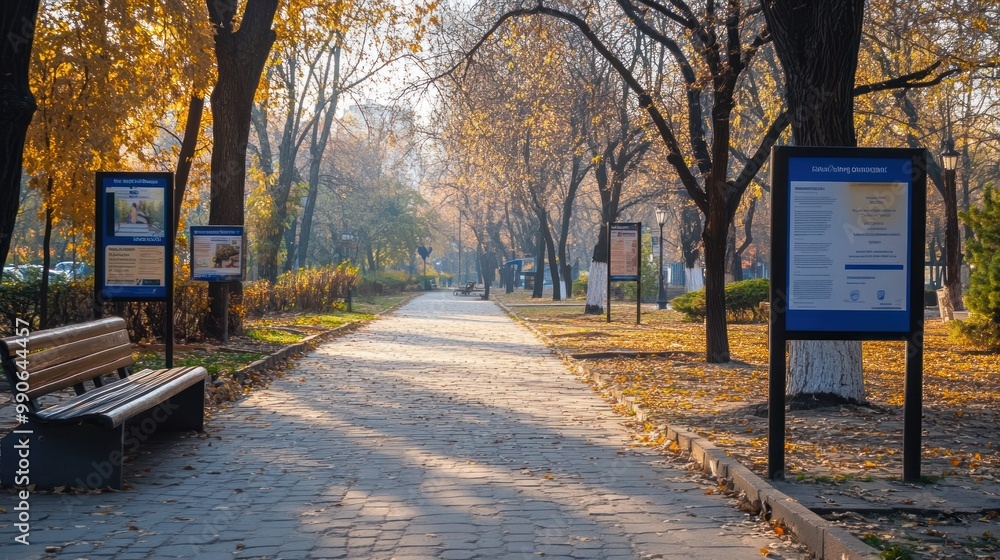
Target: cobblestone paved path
x: 443, y: 431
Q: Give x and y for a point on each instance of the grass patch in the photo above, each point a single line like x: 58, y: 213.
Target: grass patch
x: 217, y: 363
x: 330, y: 320
x: 274, y: 336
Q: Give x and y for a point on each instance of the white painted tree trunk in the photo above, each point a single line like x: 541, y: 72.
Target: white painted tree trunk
x: 597, y: 285
x: 826, y: 367
x: 694, y: 280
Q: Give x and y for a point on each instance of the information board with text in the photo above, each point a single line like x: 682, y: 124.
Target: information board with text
x: 847, y: 236
x: 133, y: 249
x: 217, y: 253
x: 624, y: 244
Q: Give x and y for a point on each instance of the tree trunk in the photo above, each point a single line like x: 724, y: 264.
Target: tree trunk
x: 597, y: 284
x: 734, y: 270
x: 196, y: 108
x: 271, y: 248
x: 825, y: 370
x: 817, y: 44
x: 565, y: 270
x: 536, y: 291
x: 17, y: 105
x: 714, y: 237
x: 553, y: 263
x: 747, y: 240
x: 694, y: 279
x: 953, y: 243
x: 290, y: 247
x: 240, y: 56
x: 566, y: 275
x: 597, y: 277
x: 43, y: 312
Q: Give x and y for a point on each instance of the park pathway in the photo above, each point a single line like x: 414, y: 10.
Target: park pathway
x: 442, y: 431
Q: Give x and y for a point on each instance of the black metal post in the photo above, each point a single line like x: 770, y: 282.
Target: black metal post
x: 226, y: 286
x: 168, y: 334
x: 776, y: 394
x: 638, y: 277
x: 460, y: 275
x: 607, y: 298
x: 913, y: 402
x: 661, y: 298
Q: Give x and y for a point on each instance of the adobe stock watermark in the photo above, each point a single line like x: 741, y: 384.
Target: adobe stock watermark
x: 22, y: 450
x: 24, y: 38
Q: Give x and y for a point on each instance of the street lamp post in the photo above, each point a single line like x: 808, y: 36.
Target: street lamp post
x: 661, y: 219
x: 949, y: 161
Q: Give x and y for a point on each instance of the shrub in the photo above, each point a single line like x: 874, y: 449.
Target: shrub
x: 69, y: 302
x: 983, y: 297
x: 580, y: 284
x: 385, y: 282
x: 257, y: 297
x: 691, y: 304
x: 743, y: 301
x: 313, y: 289
x: 190, y: 309
x: 978, y: 331
x: 743, y: 298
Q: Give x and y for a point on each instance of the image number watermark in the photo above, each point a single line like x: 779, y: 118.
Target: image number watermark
x: 22, y: 450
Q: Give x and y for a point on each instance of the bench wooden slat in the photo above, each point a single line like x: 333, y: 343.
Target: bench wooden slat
x: 39, y: 360
x: 59, y: 336
x: 67, y: 374
x: 114, y: 403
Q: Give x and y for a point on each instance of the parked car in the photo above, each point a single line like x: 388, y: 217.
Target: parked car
x: 74, y: 270
x: 12, y: 274
x: 31, y: 273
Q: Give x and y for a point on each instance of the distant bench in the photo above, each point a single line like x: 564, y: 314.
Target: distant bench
x: 81, y: 441
x: 468, y: 289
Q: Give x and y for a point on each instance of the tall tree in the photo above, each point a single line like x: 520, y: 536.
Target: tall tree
x: 817, y: 43
x: 241, y: 53
x: 17, y: 105
x: 724, y: 40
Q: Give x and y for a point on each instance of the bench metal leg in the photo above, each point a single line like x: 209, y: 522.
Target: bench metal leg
x: 80, y: 456
x: 187, y: 409
x: 181, y: 412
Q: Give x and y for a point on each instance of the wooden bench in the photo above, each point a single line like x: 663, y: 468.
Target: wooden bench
x: 81, y: 441
x: 469, y: 289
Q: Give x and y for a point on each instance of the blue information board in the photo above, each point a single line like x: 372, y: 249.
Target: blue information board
x: 134, y: 252
x: 849, y: 239
x: 217, y: 253
x: 847, y: 258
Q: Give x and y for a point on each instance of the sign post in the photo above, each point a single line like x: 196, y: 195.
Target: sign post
x: 847, y: 258
x: 134, y: 253
x: 624, y: 249
x: 217, y: 256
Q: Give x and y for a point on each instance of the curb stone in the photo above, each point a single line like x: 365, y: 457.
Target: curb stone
x: 826, y: 540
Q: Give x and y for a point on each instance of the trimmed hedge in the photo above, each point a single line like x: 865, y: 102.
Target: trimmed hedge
x: 743, y: 301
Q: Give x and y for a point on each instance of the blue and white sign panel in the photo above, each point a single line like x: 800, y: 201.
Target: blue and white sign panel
x: 849, y: 243
x: 133, y: 213
x: 217, y: 253
x: 623, y: 251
